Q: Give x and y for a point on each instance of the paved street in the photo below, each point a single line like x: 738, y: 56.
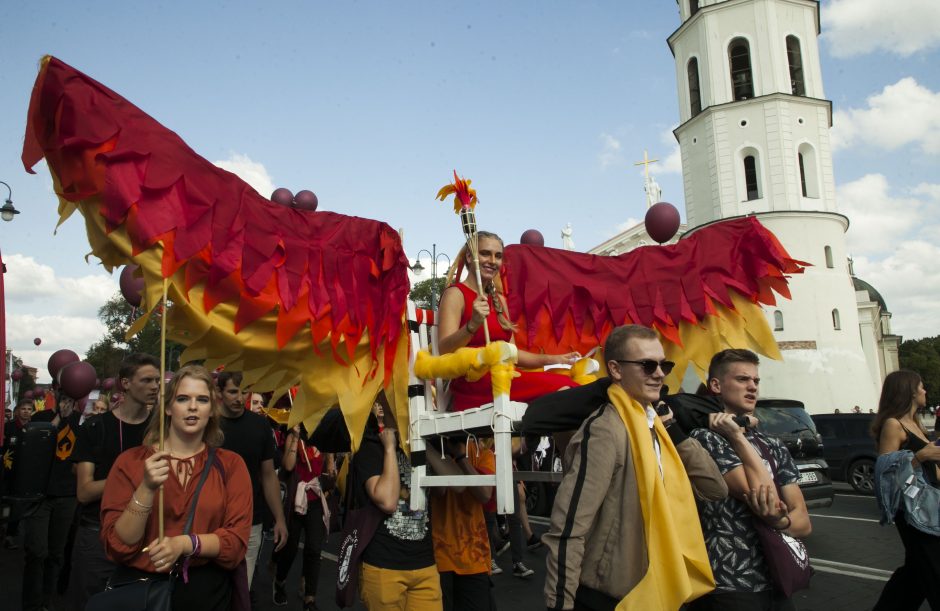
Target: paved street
x: 852, y: 554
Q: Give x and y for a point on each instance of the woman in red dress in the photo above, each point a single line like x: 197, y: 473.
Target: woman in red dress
x: 461, y: 317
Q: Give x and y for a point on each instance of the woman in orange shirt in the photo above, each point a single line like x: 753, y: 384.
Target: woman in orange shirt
x: 207, y: 557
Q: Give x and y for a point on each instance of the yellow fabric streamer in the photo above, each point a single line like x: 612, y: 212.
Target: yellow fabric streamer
x: 469, y: 362
x: 678, y: 570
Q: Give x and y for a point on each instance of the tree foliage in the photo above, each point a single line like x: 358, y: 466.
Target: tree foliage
x: 117, y: 316
x: 421, y: 291
x: 923, y: 356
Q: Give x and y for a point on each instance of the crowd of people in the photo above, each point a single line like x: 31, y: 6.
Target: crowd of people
x: 651, y: 510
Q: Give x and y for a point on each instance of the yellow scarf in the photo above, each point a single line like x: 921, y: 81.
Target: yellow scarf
x: 678, y: 570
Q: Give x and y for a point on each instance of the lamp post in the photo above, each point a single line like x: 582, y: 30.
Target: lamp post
x: 418, y: 268
x: 7, y: 213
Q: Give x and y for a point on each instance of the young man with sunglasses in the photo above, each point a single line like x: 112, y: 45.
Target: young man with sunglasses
x: 624, y: 524
x: 751, y: 463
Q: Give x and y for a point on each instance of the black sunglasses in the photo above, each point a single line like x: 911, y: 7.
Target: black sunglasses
x: 649, y: 366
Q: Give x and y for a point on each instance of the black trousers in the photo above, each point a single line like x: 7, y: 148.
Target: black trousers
x: 309, y: 526
x: 91, y: 568
x: 46, y: 532
x: 919, y: 577
x: 467, y: 592
x: 743, y: 601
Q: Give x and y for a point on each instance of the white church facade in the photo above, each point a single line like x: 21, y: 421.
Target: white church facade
x: 754, y: 140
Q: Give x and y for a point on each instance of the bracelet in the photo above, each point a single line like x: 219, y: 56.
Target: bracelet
x: 197, y: 546
x: 789, y: 524
x: 138, y: 503
x: 137, y: 512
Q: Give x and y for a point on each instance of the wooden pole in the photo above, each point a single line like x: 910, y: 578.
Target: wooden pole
x: 159, y: 406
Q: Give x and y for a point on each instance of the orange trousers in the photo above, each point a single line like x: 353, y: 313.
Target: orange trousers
x: 394, y: 590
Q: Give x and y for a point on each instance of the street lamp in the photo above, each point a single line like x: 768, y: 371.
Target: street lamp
x: 7, y: 211
x: 418, y: 268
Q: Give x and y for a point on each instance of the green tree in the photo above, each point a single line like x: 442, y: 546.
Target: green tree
x: 117, y: 316
x: 422, y: 292
x: 26, y: 382
x: 923, y: 356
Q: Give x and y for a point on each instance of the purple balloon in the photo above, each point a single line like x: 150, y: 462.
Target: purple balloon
x: 37, y: 341
x: 282, y: 196
x: 662, y: 222
x: 108, y: 384
x: 58, y: 360
x: 131, y: 286
x: 28, y: 394
x: 17, y: 375
x: 532, y: 237
x: 77, y: 379
x: 306, y: 200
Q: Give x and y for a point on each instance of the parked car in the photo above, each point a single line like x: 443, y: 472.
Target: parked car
x: 849, y: 448
x: 788, y: 421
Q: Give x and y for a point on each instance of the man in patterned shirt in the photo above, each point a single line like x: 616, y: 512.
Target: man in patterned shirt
x: 741, y: 577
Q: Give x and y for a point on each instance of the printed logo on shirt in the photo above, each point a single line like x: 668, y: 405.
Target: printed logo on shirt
x: 65, y: 442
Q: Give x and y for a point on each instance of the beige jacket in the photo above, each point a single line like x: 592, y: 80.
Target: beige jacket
x: 596, y: 533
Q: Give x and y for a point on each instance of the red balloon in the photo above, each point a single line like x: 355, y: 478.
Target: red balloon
x: 282, y: 196
x: 532, y: 237
x: 37, y: 341
x: 306, y: 200
x: 131, y: 285
x: 108, y: 384
x: 662, y: 222
x: 58, y: 360
x: 77, y: 379
x: 17, y: 375
x: 28, y: 394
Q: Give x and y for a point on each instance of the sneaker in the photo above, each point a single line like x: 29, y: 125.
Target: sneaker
x: 534, y: 542
x: 521, y: 570
x: 494, y: 568
x: 280, y: 593
x: 503, y: 547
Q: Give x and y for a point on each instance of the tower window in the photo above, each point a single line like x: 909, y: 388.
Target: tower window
x: 795, y: 60
x: 742, y: 80
x: 695, y: 95
x: 836, y: 323
x: 809, y: 177
x: 751, y: 185
x: 693, y: 8
x: 828, y: 251
x: 778, y: 320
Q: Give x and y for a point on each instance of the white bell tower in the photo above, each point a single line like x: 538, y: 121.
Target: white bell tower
x: 754, y: 138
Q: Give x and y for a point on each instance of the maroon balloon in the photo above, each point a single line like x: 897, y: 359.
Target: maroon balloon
x: 662, y: 222
x: 306, y: 200
x: 108, y: 384
x: 532, y: 237
x: 77, y: 379
x: 37, y: 341
x: 28, y: 394
x: 58, y: 360
x: 131, y: 285
x: 17, y: 375
x: 282, y: 196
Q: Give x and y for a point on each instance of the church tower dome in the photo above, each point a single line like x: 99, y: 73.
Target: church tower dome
x: 754, y: 139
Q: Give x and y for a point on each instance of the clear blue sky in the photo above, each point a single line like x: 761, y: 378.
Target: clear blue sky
x: 372, y: 104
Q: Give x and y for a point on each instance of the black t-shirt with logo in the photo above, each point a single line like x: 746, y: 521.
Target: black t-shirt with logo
x: 61, y: 478
x: 100, y: 440
x: 250, y: 436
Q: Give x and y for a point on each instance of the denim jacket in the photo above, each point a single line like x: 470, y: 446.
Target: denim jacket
x: 897, y: 480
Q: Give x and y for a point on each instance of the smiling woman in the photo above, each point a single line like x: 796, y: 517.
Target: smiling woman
x: 204, y: 542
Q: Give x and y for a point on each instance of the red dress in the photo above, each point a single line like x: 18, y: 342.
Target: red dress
x: 529, y: 385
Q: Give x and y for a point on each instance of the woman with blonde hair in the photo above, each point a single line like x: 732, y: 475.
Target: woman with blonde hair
x: 206, y: 555
x: 895, y: 427
x: 462, y: 314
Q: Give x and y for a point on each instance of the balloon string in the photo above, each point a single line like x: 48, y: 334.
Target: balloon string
x: 159, y: 406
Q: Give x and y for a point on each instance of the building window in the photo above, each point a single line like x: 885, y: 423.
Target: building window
x: 695, y: 94
x: 795, y: 60
x: 693, y: 8
x: 751, y: 184
x: 828, y: 251
x: 809, y: 177
x: 742, y: 81
x: 778, y: 320
x: 836, y: 323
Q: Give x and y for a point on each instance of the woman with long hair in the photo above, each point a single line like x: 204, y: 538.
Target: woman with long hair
x: 208, y: 555
x: 462, y: 314
x: 895, y: 427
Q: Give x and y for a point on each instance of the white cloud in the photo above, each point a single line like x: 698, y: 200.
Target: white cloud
x: 28, y: 283
x: 878, y: 220
x: 621, y: 227
x: 905, y: 113
x: 671, y: 163
x: 856, y: 27
x: 611, y: 153
x: 73, y: 332
x: 252, y: 172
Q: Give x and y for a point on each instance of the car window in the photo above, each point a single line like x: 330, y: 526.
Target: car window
x: 784, y: 420
x: 828, y: 428
x: 858, y: 427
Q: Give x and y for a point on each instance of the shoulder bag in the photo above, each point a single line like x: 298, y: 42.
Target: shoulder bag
x: 359, y: 527
x: 133, y: 590
x: 786, y: 556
